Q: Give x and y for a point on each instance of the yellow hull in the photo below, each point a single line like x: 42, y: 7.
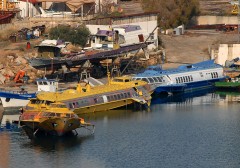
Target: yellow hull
x: 54, y: 126
x: 59, y: 126
x: 103, y: 106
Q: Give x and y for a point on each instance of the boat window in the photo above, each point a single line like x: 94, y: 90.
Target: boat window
x: 155, y: 79
x: 76, y: 104
x: 70, y: 105
x: 216, y: 75
x: 48, y: 102
x: 118, y: 96
x: 163, y: 79
x: 125, y: 95
x: 73, y: 105
x: 67, y: 115
x: 188, y: 78
x: 160, y: 79
x: 181, y: 79
x: 112, y: 98
x: 146, y: 80
x: 115, y: 97
x: 58, y: 115
x: 95, y: 100
x: 122, y: 96
x: 128, y: 93
x: 176, y: 80
x: 117, y: 80
x: 46, y: 114
x: 191, y: 78
x: 201, y: 74
x: 33, y: 101
x: 108, y: 98
x: 51, y: 115
x: 127, y: 80
x: 151, y: 80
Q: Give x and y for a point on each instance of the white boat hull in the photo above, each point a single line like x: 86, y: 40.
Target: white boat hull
x: 13, y: 103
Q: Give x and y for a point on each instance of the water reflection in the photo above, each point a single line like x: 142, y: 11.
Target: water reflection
x: 185, y: 130
x: 229, y: 96
x: 52, y: 143
x: 188, y: 97
x: 113, y: 114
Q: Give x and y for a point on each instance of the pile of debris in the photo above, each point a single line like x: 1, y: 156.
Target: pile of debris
x: 15, y: 69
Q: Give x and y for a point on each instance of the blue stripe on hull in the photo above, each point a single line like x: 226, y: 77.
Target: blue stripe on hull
x: 187, y: 86
x: 17, y: 95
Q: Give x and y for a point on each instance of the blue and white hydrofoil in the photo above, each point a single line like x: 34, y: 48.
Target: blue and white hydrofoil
x: 184, y: 78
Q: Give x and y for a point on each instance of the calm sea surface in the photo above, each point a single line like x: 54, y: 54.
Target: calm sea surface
x: 186, y: 131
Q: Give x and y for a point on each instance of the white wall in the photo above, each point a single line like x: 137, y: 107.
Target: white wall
x: 147, y: 26
x: 226, y: 52
x: 27, y: 9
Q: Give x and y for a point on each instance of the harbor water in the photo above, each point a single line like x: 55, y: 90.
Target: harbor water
x: 200, y: 130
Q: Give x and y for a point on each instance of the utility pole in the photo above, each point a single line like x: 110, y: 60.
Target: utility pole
x: 238, y: 21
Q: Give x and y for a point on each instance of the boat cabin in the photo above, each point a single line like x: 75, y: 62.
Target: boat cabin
x: 51, y: 48
x: 123, y: 80
x: 47, y: 85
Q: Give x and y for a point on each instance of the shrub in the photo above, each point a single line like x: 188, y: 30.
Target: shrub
x: 172, y: 13
x: 76, y: 35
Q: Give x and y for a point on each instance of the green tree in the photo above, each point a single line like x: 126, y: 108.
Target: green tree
x: 76, y: 35
x: 172, y: 12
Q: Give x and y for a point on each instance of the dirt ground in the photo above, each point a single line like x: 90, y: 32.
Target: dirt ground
x: 215, y: 7
x: 193, y: 46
